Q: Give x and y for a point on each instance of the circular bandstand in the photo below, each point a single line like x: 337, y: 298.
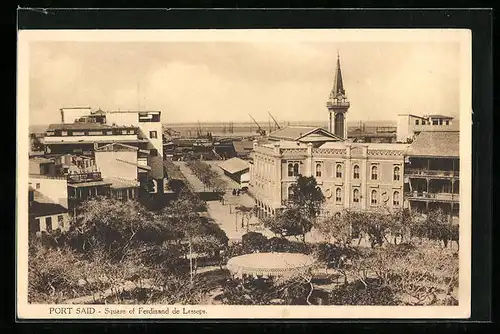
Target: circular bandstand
x: 269, y: 265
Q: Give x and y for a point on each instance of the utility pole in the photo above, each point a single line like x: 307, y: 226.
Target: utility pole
x: 190, y: 261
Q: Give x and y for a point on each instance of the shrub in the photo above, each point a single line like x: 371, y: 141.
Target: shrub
x: 254, y: 242
x: 356, y: 293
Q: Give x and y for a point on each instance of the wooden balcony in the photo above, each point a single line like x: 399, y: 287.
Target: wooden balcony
x: 432, y: 197
x: 84, y: 177
x: 420, y: 172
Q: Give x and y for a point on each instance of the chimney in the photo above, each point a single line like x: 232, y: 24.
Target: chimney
x: 277, y: 148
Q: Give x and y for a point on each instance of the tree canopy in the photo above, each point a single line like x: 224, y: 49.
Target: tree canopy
x: 307, y: 196
x: 290, y: 222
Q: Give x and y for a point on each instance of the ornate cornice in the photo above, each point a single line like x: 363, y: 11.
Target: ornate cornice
x: 385, y: 153
x: 329, y: 151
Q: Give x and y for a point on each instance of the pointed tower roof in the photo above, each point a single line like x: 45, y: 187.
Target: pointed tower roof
x: 338, y: 85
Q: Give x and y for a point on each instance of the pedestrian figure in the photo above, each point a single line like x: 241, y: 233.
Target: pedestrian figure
x: 234, y: 192
x: 238, y: 192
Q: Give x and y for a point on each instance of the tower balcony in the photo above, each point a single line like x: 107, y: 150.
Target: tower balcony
x: 338, y: 104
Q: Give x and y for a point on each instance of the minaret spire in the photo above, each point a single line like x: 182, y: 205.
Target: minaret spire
x: 338, y: 84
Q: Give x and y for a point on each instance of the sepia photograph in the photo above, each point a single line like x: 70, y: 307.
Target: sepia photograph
x: 305, y: 173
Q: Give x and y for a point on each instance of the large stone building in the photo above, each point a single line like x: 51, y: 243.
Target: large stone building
x: 351, y: 175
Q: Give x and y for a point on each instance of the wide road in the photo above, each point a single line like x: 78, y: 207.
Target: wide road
x: 193, y: 180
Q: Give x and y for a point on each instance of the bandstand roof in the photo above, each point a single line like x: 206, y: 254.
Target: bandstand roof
x: 270, y: 264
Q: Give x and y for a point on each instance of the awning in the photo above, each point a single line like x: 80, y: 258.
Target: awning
x: 89, y: 184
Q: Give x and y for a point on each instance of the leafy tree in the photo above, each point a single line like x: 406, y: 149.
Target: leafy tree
x: 337, y: 227
x: 402, y: 223
x: 439, y: 226
x: 307, y: 197
x: 375, y: 224
x: 254, y: 242
x: 275, y: 244
x: 36, y: 145
x: 336, y: 256
x: 356, y: 293
x: 290, y: 222
x: 414, y: 275
x: 294, y: 290
x: 52, y: 274
x: 115, y: 226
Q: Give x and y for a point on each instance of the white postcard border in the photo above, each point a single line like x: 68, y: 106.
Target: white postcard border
x: 37, y: 311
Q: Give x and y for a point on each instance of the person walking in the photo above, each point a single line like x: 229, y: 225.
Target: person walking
x: 234, y: 192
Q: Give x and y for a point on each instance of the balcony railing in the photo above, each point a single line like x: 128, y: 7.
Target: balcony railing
x: 331, y: 104
x: 431, y: 172
x: 40, y: 176
x: 433, y: 196
x: 84, y: 177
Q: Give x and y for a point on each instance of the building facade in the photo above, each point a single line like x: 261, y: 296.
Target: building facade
x: 350, y: 175
x: 45, y: 215
x: 432, y: 173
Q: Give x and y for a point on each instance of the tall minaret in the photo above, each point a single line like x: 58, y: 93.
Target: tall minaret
x: 337, y: 105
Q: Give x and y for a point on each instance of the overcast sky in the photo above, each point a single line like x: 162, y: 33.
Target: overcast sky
x: 223, y: 81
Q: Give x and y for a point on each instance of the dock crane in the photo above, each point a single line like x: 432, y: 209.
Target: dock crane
x: 260, y: 130
x: 199, y: 130
x: 275, y: 122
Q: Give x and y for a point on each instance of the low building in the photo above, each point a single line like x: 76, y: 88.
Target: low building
x: 53, y: 187
x: 237, y: 170
x: 42, y: 166
x: 432, y: 172
x: 380, y: 135
x: 45, y: 215
x: 242, y: 148
x: 84, y: 185
x: 303, y: 134
x: 410, y: 125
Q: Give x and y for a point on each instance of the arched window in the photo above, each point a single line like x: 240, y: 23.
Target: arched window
x: 296, y: 169
x: 338, y: 195
x: 396, y: 173
x: 318, y: 170
x: 395, y: 198
x: 338, y: 171
x: 290, y: 169
x: 374, y: 197
x: 355, y: 196
x: 290, y: 193
x: 356, y: 172
x: 374, y: 172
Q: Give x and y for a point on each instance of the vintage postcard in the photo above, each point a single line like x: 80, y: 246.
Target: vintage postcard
x: 244, y: 174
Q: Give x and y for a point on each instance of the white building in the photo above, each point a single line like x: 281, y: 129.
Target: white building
x: 410, y: 125
x: 85, y: 132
